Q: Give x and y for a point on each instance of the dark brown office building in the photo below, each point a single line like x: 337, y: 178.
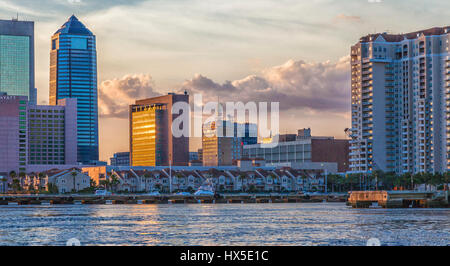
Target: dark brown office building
x: 331, y: 150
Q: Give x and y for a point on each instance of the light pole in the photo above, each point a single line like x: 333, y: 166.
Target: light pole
x: 170, y: 174
x: 326, y: 178
x: 376, y: 181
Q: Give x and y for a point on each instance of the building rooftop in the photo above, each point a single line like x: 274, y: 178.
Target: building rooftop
x: 412, y: 35
x: 74, y: 26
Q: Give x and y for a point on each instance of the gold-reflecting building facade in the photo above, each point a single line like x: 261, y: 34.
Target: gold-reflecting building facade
x: 151, y: 140
x: 144, y: 128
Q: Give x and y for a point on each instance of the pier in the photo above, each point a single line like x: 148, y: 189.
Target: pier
x: 399, y: 199
x: 74, y: 199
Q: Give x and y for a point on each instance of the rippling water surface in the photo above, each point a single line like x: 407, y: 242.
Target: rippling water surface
x: 222, y: 224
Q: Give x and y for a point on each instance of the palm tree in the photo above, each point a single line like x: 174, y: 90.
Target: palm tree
x: 114, y: 181
x: 21, y: 177
x: 241, y: 178
x: 41, y: 177
x: 105, y: 183
x: 74, y: 176
x: 437, y: 179
x: 446, y: 180
x: 12, y: 175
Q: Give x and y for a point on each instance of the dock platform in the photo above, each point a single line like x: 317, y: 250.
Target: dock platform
x: 399, y: 199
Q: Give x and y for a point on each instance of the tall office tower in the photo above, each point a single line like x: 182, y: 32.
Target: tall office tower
x: 219, y: 148
x: 151, y: 140
x: 73, y: 74
x: 36, y: 134
x: 17, y: 58
x: 400, y: 102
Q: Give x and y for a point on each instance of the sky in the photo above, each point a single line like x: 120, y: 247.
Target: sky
x: 295, y: 52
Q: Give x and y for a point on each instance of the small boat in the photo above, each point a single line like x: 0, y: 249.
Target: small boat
x: 153, y: 193
x: 102, y: 192
x: 206, y: 189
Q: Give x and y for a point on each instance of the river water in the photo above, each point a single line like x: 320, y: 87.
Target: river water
x: 222, y: 224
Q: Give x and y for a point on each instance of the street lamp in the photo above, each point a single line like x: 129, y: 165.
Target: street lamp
x: 326, y: 178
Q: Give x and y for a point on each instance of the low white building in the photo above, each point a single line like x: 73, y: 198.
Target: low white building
x: 68, y: 180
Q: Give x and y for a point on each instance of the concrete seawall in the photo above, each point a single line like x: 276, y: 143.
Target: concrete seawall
x: 163, y: 199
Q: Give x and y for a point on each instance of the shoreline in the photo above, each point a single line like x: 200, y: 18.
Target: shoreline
x: 165, y: 199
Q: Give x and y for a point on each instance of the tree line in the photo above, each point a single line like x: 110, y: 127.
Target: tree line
x: 379, y: 180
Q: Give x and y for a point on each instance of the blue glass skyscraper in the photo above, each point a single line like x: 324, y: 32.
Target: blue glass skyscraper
x: 17, y: 58
x: 73, y: 74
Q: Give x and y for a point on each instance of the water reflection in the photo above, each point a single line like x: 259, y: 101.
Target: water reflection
x: 221, y: 224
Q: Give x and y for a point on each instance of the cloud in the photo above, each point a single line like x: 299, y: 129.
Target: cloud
x: 296, y: 85
x: 75, y: 2
x: 14, y: 8
x: 343, y: 17
x: 117, y: 94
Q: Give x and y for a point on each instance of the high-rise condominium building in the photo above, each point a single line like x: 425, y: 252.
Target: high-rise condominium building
x: 17, y: 58
x: 151, y: 140
x: 36, y: 135
x: 73, y: 74
x: 401, y: 102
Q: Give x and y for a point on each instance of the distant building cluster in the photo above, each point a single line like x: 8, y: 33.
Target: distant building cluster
x: 65, y: 133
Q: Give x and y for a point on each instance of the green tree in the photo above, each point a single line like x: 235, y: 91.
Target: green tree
x: 52, y: 188
x: 16, y: 185
x: 92, y: 183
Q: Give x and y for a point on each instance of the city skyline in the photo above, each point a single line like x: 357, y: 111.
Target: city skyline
x: 301, y: 69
